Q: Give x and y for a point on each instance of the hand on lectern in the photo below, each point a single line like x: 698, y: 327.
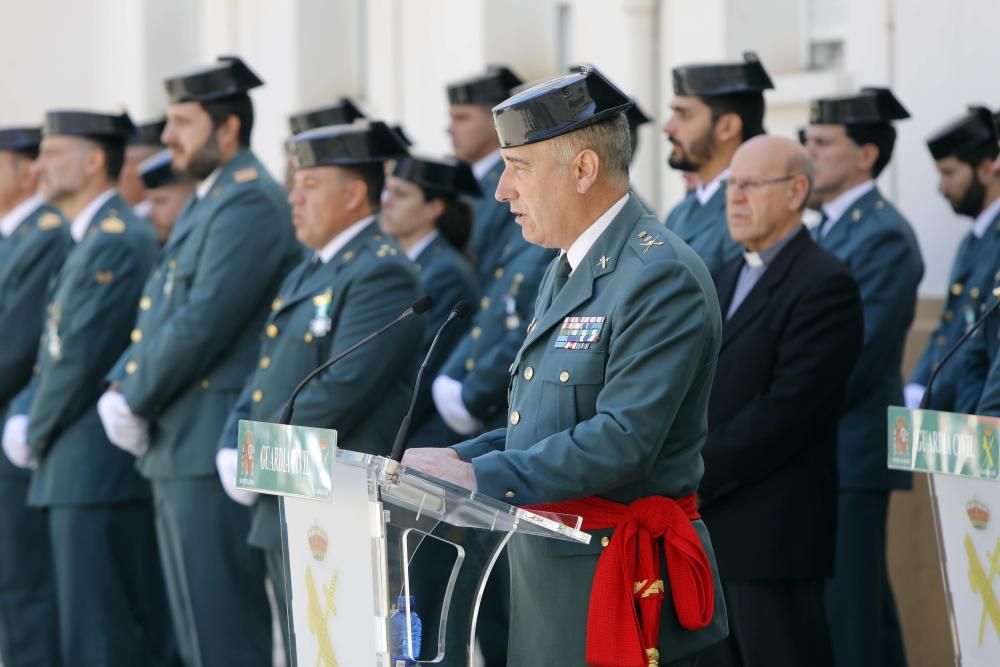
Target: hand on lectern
x: 443, y: 463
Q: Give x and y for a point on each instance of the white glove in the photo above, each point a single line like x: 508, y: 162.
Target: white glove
x: 15, y: 442
x: 447, y: 394
x: 225, y: 463
x: 124, y: 429
x: 913, y: 393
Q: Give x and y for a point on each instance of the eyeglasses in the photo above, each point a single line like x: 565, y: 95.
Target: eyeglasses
x: 749, y: 184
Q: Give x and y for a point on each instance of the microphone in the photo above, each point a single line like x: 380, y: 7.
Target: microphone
x: 459, y: 312
x: 926, y: 400
x: 419, y: 307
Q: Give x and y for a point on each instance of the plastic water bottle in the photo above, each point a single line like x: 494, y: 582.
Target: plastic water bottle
x: 400, y: 651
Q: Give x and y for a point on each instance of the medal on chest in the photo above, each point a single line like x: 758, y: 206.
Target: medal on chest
x: 579, y: 333
x: 321, y: 323
x: 168, y: 283
x: 54, y: 345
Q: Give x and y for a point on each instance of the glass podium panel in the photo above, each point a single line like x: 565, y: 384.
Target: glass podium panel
x: 392, y: 571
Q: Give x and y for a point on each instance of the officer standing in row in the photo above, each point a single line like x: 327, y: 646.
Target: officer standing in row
x: 715, y: 109
x: 963, y: 153
x: 609, y: 395
x: 474, y: 140
x: 167, y: 192
x: 141, y: 146
x: 107, y: 574
x: 851, y: 140
x: 426, y: 209
x: 34, y: 240
x: 193, y: 346
x: 355, y: 280
x: 340, y: 113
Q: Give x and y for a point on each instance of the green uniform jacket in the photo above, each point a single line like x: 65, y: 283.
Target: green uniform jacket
x: 880, y: 249
x: 704, y: 228
x: 481, y: 361
x: 977, y: 365
x: 969, y: 287
x: 29, y: 258
x: 365, y: 395
x: 447, y: 277
x: 624, y: 418
x: 91, y: 308
x: 492, y: 221
x: 201, y: 313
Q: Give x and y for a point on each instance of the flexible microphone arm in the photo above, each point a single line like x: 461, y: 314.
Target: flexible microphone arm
x: 459, y: 312
x: 419, y: 307
x: 926, y: 400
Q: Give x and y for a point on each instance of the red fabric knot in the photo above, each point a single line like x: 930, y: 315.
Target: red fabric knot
x: 623, y: 619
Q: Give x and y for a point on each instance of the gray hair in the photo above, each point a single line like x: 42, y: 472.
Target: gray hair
x: 610, y: 139
x: 799, y: 162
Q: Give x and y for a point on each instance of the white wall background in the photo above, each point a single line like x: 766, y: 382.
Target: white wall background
x: 395, y: 56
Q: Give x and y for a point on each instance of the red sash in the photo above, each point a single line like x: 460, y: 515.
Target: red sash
x: 623, y: 620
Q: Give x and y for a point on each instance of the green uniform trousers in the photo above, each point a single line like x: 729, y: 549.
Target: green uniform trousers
x: 219, y: 605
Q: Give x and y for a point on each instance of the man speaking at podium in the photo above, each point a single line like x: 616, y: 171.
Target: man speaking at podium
x: 608, y: 399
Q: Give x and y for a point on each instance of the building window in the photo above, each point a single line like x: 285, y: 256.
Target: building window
x: 825, y: 33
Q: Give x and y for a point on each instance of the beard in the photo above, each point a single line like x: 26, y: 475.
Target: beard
x: 696, y: 156
x: 971, y: 202
x: 206, y: 160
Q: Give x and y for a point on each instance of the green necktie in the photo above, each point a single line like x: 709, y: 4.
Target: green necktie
x: 563, y: 270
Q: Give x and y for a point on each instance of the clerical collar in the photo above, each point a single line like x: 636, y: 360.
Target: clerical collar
x: 10, y: 222
x: 338, y: 242
x: 761, y: 258
x: 581, y: 246
x: 706, y: 192
x: 985, y: 217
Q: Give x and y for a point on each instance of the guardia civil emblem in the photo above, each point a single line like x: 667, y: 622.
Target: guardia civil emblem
x: 988, y: 451
x: 901, y: 437
x: 248, y: 454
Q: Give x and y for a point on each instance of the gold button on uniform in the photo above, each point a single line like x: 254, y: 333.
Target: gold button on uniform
x: 515, y: 417
x: 145, y: 302
x: 131, y: 367
x: 470, y: 364
x: 485, y: 303
x: 498, y: 273
x: 257, y: 396
x: 605, y: 541
x: 529, y: 373
x: 509, y: 494
x: 564, y: 376
x: 308, y: 337
x: 956, y: 289
x: 204, y: 384
x: 974, y: 293
x: 476, y: 333
x: 272, y: 331
x: 276, y: 304
x: 136, y: 335
x: 265, y: 362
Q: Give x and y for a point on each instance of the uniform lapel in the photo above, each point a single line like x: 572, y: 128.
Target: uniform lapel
x: 197, y: 209
x: 324, y: 276
x: 580, y: 285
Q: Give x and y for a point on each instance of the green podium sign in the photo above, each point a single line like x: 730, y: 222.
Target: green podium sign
x: 286, y: 460
x: 943, y: 442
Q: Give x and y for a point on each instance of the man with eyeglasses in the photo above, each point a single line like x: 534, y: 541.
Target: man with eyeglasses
x: 791, y: 333
x: 851, y: 140
x: 715, y: 109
